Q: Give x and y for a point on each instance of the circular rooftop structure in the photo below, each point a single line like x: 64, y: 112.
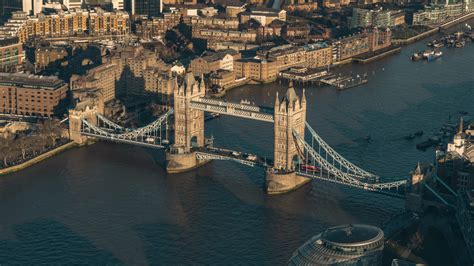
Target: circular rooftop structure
x: 352, y: 235
x: 349, y: 244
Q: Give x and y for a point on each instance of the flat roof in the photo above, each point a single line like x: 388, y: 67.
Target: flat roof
x: 30, y: 81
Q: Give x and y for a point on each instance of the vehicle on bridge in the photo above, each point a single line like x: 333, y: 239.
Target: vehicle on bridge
x: 309, y: 168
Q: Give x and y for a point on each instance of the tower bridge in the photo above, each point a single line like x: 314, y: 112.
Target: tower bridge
x: 297, y: 157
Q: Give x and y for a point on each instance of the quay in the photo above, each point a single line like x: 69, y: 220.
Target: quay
x: 368, y: 58
x: 303, y: 74
x: 435, y: 30
x: 37, y: 159
x: 344, y: 82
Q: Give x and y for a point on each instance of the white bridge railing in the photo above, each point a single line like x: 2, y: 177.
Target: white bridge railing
x: 332, y: 170
x: 234, y: 109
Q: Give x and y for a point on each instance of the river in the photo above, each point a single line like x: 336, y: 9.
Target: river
x: 112, y: 203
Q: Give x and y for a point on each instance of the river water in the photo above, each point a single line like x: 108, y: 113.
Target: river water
x: 112, y: 203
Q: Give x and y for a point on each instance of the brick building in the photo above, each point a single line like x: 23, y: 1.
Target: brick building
x: 259, y: 70
x: 11, y: 54
x: 25, y: 94
x: 48, y: 55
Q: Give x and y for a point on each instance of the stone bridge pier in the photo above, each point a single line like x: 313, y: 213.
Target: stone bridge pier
x: 289, y: 114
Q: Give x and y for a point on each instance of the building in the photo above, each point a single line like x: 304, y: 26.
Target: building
x: 263, y: 15
x: 285, y: 56
x: 256, y: 69
x: 148, y: 28
x: 72, y: 4
x: 363, y: 18
x: 348, y: 47
x: 219, y: 22
x: 45, y: 56
x: 304, y: 5
x: 352, y: 244
x: 108, y: 23
x: 32, y: 6
x: 222, y: 78
x: 456, y: 166
x: 225, y: 35
x: 232, y: 7
x: 430, y: 15
x: 95, y: 22
x: 11, y: 54
x: 318, y: 55
x: 25, y: 94
x: 160, y: 84
x: 214, y: 61
x: 150, y: 8
x: 379, y: 38
x: 103, y: 77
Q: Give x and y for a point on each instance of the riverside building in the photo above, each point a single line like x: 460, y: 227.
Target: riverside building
x: 25, y: 94
x: 352, y: 244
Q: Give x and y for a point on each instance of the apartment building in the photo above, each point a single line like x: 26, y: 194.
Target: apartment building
x: 214, y: 61
x: 25, y: 94
x: 48, y: 55
x: 285, y: 56
x: 12, y: 55
x: 103, y: 77
x: 318, y: 55
x: 259, y: 70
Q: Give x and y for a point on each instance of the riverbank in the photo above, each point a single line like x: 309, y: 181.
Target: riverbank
x: 37, y: 159
x: 435, y: 30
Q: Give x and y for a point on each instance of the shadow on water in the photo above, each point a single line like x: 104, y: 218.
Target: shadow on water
x: 54, y: 243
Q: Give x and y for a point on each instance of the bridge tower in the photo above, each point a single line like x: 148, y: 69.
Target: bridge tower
x: 289, y: 114
x: 188, y: 126
x: 75, y: 122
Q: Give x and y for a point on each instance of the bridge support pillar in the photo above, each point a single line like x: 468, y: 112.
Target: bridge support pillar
x: 279, y: 182
x: 182, y: 162
x: 75, y: 124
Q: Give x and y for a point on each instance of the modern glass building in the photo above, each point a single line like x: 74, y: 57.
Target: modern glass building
x: 352, y: 244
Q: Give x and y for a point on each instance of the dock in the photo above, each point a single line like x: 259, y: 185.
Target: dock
x: 343, y: 82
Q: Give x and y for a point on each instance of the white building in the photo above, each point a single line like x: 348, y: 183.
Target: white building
x: 32, y: 7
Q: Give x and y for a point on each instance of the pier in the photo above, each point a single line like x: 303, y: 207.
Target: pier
x: 343, y: 82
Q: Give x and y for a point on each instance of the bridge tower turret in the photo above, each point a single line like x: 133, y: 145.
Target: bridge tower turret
x: 289, y: 114
x: 188, y: 126
x: 188, y: 123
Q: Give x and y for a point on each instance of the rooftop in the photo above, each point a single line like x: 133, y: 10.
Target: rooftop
x: 31, y: 81
x: 352, y: 235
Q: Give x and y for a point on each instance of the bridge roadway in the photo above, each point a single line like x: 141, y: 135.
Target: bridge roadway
x: 244, y: 110
x: 214, y: 153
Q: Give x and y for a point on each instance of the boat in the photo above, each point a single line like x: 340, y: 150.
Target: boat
x: 435, y: 55
x: 460, y: 44
x: 367, y: 138
x: 416, y: 56
x: 438, y: 45
x: 428, y: 53
x: 428, y: 143
x: 409, y: 137
x: 419, y: 133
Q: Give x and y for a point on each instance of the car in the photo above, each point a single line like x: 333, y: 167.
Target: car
x: 150, y: 140
x: 252, y: 157
x: 236, y: 153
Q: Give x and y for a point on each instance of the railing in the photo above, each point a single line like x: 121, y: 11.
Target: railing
x: 234, y: 109
x: 336, y: 157
x: 329, y: 172
x: 150, y: 135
